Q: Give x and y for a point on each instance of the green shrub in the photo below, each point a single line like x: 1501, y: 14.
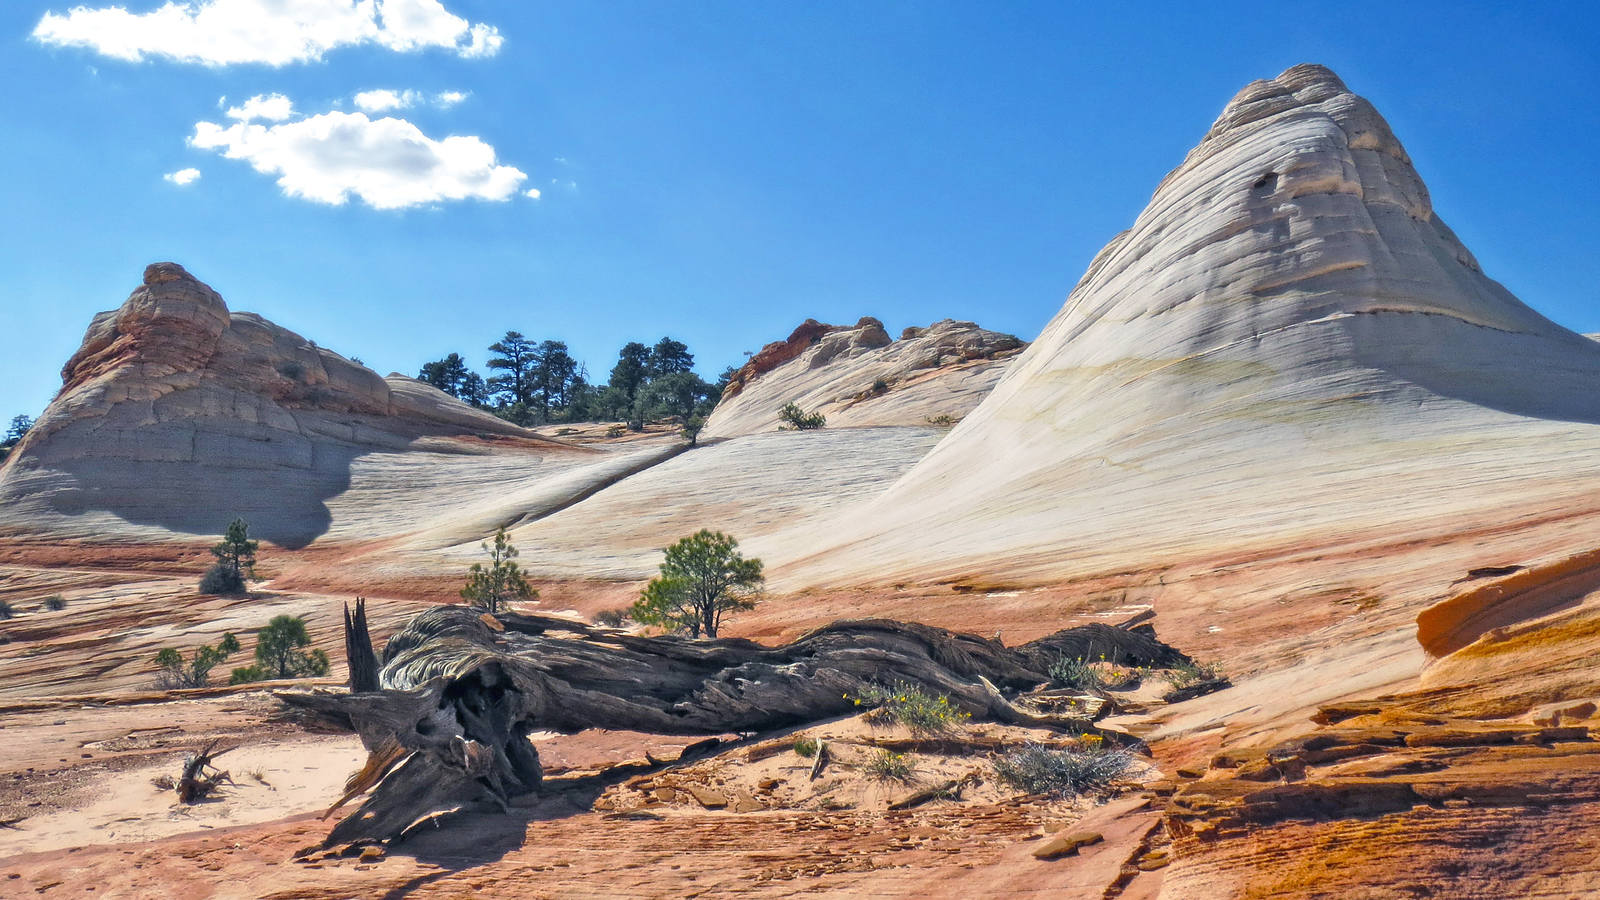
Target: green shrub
x: 692, y: 428
x: 221, y: 579
x: 880, y: 386
x: 1075, y: 674
x: 6, y: 610
x: 195, y: 672
x: 1190, y: 673
x: 55, y: 603
x: 703, y: 578
x: 943, y: 420
x: 800, y: 419
x: 616, y: 431
x: 236, y: 560
x: 806, y: 747
x: 907, y: 704
x: 279, y: 653
x: 612, y: 618
x: 1062, y: 773
x: 890, y: 766
x: 502, y: 583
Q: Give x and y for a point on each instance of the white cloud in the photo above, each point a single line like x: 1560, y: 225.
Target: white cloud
x: 533, y: 193
x: 272, y: 107
x: 384, y: 100
x: 387, y: 163
x: 183, y: 177
x: 273, y: 32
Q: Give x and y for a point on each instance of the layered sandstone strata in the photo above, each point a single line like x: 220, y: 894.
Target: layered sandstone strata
x: 177, y: 415
x: 858, y: 376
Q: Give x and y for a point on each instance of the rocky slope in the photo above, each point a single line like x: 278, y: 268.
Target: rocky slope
x: 1287, y: 350
x: 857, y: 376
x: 176, y: 415
x: 1288, y: 410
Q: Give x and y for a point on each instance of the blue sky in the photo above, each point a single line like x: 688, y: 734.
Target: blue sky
x: 715, y: 171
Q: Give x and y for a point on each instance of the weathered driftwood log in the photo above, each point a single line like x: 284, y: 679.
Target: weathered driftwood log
x: 460, y: 692
x: 358, y: 648
x: 196, y: 784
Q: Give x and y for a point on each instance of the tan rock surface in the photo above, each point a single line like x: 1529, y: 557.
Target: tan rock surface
x: 943, y: 370
x: 1288, y: 352
x: 176, y: 415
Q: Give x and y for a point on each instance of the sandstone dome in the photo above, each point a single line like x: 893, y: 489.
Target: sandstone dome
x: 858, y: 376
x: 176, y: 415
x: 1288, y: 351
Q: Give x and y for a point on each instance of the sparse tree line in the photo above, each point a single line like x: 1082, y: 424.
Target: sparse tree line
x: 20, y: 425
x: 535, y: 382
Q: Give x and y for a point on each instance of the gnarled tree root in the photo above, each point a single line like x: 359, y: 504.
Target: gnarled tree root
x: 459, y: 693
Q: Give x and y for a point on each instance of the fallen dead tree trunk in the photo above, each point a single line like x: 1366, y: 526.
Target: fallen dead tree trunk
x: 459, y: 693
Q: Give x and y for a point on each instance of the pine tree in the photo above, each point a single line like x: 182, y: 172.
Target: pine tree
x: 502, y: 582
x: 703, y: 578
x: 236, y: 560
x: 517, y: 357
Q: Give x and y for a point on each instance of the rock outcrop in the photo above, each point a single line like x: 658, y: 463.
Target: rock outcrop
x: 179, y: 414
x: 857, y: 376
x: 1288, y: 352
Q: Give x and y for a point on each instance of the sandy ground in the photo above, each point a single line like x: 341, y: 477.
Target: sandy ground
x: 84, y: 735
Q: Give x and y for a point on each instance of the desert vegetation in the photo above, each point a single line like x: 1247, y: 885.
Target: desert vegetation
x: 886, y: 765
x: 613, y: 618
x: 18, y: 429
x: 798, y: 419
x: 175, y: 671
x: 281, y: 653
x: 1063, y: 773
x: 534, y: 382
x: 501, y: 583
x: 692, y: 428
x: 236, y: 560
x: 703, y: 578
x: 1075, y: 674
x: 921, y: 711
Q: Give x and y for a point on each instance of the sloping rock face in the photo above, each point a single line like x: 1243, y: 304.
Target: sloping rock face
x: 178, y: 414
x: 1288, y: 411
x: 857, y: 376
x: 1481, y: 781
x: 1287, y: 351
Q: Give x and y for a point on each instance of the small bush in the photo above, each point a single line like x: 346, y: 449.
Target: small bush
x: 6, y: 611
x: 806, y: 747
x: 880, y: 386
x: 222, y: 578
x: 563, y: 432
x: 692, y: 428
x: 800, y: 419
x: 1062, y: 773
x: 889, y: 766
x: 291, y: 370
x: 616, y: 431
x: 907, y: 704
x: 1188, y: 674
x: 612, y: 618
x: 195, y: 672
x: 1075, y: 674
x: 942, y: 420
x: 279, y: 653
x: 55, y: 603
